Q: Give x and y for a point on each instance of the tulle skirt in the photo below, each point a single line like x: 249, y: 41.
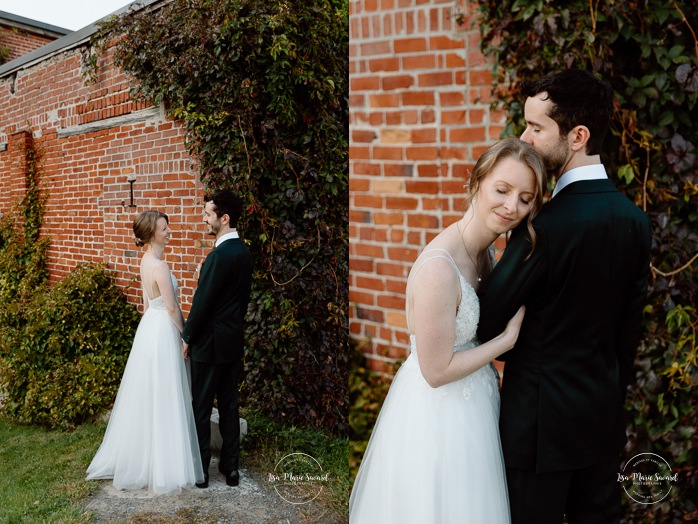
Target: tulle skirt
x: 150, y: 441
x: 434, y: 456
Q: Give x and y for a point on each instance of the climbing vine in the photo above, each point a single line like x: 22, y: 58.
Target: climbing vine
x: 22, y: 253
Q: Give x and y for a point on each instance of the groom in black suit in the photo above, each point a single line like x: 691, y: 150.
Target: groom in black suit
x: 213, y: 334
x: 584, y: 287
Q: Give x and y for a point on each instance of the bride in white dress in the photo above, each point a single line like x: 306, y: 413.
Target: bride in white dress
x: 150, y: 441
x: 434, y: 456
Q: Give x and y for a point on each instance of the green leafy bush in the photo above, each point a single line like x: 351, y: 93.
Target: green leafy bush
x: 262, y: 89
x: 62, y: 362
x: 647, y: 51
x: 367, y: 391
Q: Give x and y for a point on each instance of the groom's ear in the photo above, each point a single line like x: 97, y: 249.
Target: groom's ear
x: 225, y: 218
x: 578, y: 138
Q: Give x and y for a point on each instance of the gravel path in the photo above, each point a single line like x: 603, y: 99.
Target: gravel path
x: 254, y: 501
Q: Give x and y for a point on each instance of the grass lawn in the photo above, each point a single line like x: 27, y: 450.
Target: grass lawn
x: 42, y: 472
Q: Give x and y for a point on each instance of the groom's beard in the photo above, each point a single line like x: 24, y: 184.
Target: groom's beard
x: 214, y: 228
x: 556, y: 159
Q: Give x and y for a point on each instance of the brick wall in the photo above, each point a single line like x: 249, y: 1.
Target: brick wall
x: 420, y: 92
x: 94, y: 140
x: 20, y: 41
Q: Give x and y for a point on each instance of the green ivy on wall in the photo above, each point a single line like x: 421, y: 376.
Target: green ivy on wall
x: 22, y: 253
x: 648, y: 51
x: 4, y: 54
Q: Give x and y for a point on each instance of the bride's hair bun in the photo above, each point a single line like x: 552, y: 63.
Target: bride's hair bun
x: 144, y: 226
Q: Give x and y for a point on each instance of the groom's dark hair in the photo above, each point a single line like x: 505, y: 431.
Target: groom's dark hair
x: 226, y: 203
x: 578, y: 98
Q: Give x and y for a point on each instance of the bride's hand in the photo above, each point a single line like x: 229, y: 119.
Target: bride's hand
x: 511, y: 331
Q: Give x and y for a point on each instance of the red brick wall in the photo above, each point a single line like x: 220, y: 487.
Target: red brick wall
x: 420, y: 92
x: 21, y: 42
x: 93, y: 140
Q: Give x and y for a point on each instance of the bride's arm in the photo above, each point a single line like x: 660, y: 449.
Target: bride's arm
x: 162, y: 277
x: 434, y: 299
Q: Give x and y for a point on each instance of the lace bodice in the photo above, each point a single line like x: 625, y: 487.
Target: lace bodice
x: 468, y: 314
x: 159, y: 302
x: 467, y: 318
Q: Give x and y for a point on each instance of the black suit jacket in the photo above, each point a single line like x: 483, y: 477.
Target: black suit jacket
x: 584, y: 289
x: 215, y: 326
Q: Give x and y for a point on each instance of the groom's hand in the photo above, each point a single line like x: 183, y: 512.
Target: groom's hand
x: 185, y: 350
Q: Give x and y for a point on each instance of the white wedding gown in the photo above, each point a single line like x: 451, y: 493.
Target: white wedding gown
x: 150, y: 441
x: 434, y: 456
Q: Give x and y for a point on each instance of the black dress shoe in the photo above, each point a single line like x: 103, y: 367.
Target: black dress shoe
x: 203, y: 484
x: 233, y: 479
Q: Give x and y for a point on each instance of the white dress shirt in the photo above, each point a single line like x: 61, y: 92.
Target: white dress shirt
x: 592, y: 172
x: 227, y: 236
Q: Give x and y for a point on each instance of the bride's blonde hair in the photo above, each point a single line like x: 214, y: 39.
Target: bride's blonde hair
x: 517, y: 150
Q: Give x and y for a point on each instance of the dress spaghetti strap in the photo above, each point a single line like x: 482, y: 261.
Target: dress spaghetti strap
x: 150, y: 293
